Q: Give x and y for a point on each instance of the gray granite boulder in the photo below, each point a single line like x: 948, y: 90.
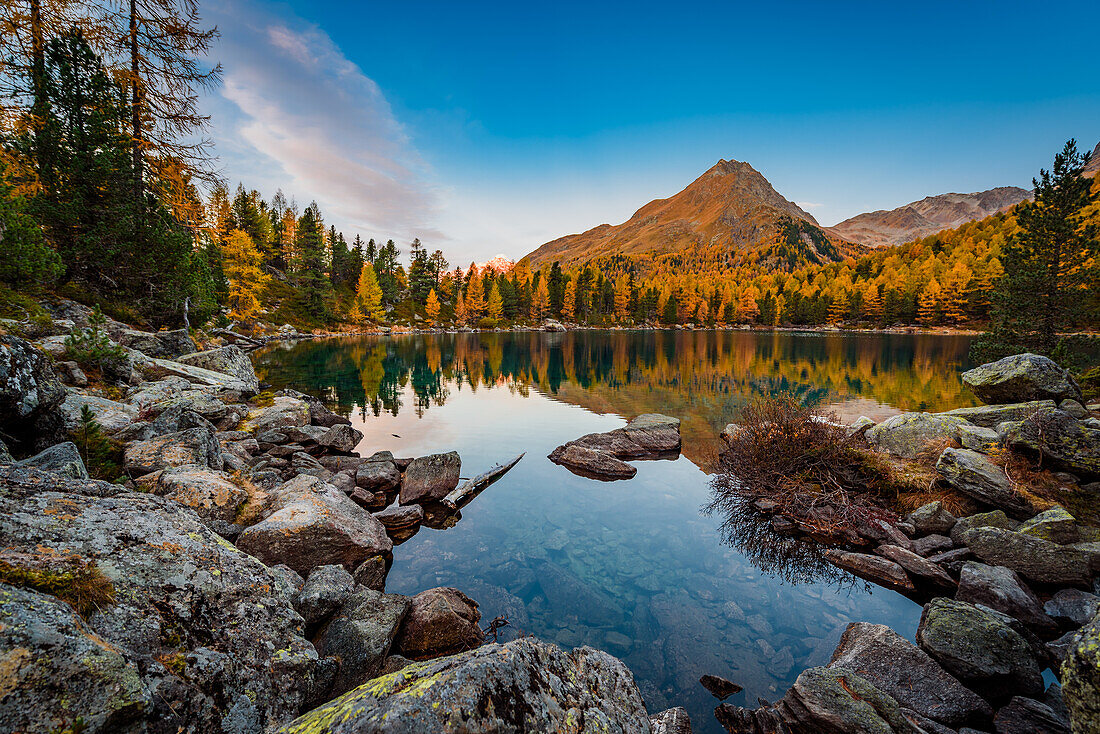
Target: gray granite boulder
x: 1000, y: 589
x: 30, y: 396
x: 192, y: 446
x: 671, y: 721
x: 1059, y: 439
x: 979, y: 648
x: 111, y: 415
x: 602, y: 455
x: 1020, y: 378
x: 1028, y: 716
x: 377, y: 476
x: 229, y: 360
x: 62, y: 458
x: 901, y: 669
x: 990, y: 416
x: 213, y: 495
x: 1055, y: 525
x: 993, y: 519
x: 1033, y: 558
x: 839, y: 700
x: 282, y: 413
x: 910, y: 434
x: 977, y: 477
x: 323, y: 592
x: 1073, y: 607
x: 932, y: 519
x: 311, y: 524
x: 340, y: 438
x: 360, y: 635
x: 524, y: 685
x: 1080, y: 676
x: 878, y: 570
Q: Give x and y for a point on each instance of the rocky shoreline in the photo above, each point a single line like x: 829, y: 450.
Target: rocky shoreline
x: 235, y: 581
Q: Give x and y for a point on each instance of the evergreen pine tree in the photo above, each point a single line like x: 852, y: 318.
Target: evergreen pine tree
x: 312, y: 280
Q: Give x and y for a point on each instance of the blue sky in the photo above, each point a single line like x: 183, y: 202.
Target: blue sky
x: 488, y: 128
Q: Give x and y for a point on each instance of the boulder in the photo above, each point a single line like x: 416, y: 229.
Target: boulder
x: 30, y: 396
x: 313, y: 524
x: 1073, y: 607
x: 282, y: 413
x: 979, y: 648
x: 170, y: 344
x: 917, y: 566
x: 213, y: 495
x: 372, y: 573
x: 601, y: 455
x: 990, y: 416
x: 62, y: 458
x: 875, y: 569
x: 1080, y: 675
x: 112, y: 416
x: 377, y: 476
x: 1059, y: 440
x: 592, y: 463
x: 994, y: 519
x: 671, y: 721
x: 901, y: 669
x: 340, y: 438
x: 199, y: 376
x: 654, y: 433
x: 440, y: 621
x: 524, y: 685
x: 1000, y: 589
x: 1055, y: 525
x: 838, y: 700
x: 430, y: 478
x: 192, y: 446
x: 323, y: 592
x: 719, y: 687
x: 1033, y: 558
x: 398, y: 517
x: 228, y: 360
x: 931, y: 519
x: 977, y: 438
x: 910, y: 434
x: 932, y: 544
x: 319, y: 415
x: 1028, y: 716
x: 360, y: 635
x: 187, y: 633
x: 1020, y: 378
x: 976, y: 476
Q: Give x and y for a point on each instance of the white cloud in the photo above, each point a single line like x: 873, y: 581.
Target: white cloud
x: 808, y: 205
x: 295, y: 113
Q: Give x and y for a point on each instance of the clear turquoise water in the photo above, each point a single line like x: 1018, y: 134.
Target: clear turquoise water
x: 633, y: 567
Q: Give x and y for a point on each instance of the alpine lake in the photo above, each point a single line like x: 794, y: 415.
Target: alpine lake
x: 634, y: 567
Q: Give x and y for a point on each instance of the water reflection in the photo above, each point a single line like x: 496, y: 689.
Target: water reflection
x: 631, y: 567
x: 702, y: 377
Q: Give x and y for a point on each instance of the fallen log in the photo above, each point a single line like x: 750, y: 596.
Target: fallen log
x: 237, y: 336
x: 462, y: 494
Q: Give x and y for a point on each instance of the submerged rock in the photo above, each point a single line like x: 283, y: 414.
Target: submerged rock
x: 719, y: 687
x: 524, y: 685
x: 1020, y: 378
x: 898, y: 667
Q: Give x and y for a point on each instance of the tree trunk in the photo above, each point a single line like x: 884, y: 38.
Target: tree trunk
x: 38, y: 80
x: 135, y: 117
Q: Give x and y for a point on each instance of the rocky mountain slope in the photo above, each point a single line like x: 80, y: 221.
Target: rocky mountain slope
x: 731, y: 207
x: 1093, y: 167
x: 929, y: 215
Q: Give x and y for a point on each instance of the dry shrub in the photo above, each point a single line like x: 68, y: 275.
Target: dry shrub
x: 70, y: 578
x: 252, y: 508
x: 804, y: 461
x: 954, y: 502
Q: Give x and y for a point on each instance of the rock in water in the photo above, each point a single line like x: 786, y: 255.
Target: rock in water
x: 440, y: 621
x: 671, y: 721
x: 62, y: 458
x: 360, y: 635
x: 898, y: 667
x: 719, y: 687
x: 839, y: 700
x: 430, y: 478
x: 1020, y: 378
x: 229, y: 360
x: 601, y: 455
x: 871, y: 568
x: 979, y: 649
x: 30, y: 396
x: 199, y: 638
x: 976, y: 476
x: 523, y: 686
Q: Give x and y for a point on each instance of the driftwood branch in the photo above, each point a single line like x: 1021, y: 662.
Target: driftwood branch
x: 462, y: 494
x: 235, y: 335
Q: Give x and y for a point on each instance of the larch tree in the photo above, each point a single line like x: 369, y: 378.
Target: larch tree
x: 368, y: 294
x: 475, y: 295
x: 872, y: 302
x: 747, y: 308
x: 622, y: 299
x: 928, y: 303
x: 540, y: 301
x: 242, y: 263
x: 431, y: 307
x: 495, y: 304
x: 461, y: 315
x: 569, y: 300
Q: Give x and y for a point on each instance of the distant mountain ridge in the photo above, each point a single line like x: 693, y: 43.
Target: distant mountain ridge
x: 730, y: 208
x: 1093, y: 166
x: 929, y: 215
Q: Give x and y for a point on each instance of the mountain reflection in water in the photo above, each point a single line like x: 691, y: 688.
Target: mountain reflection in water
x: 631, y: 567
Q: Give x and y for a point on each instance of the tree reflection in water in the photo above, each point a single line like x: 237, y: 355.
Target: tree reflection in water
x: 702, y: 377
